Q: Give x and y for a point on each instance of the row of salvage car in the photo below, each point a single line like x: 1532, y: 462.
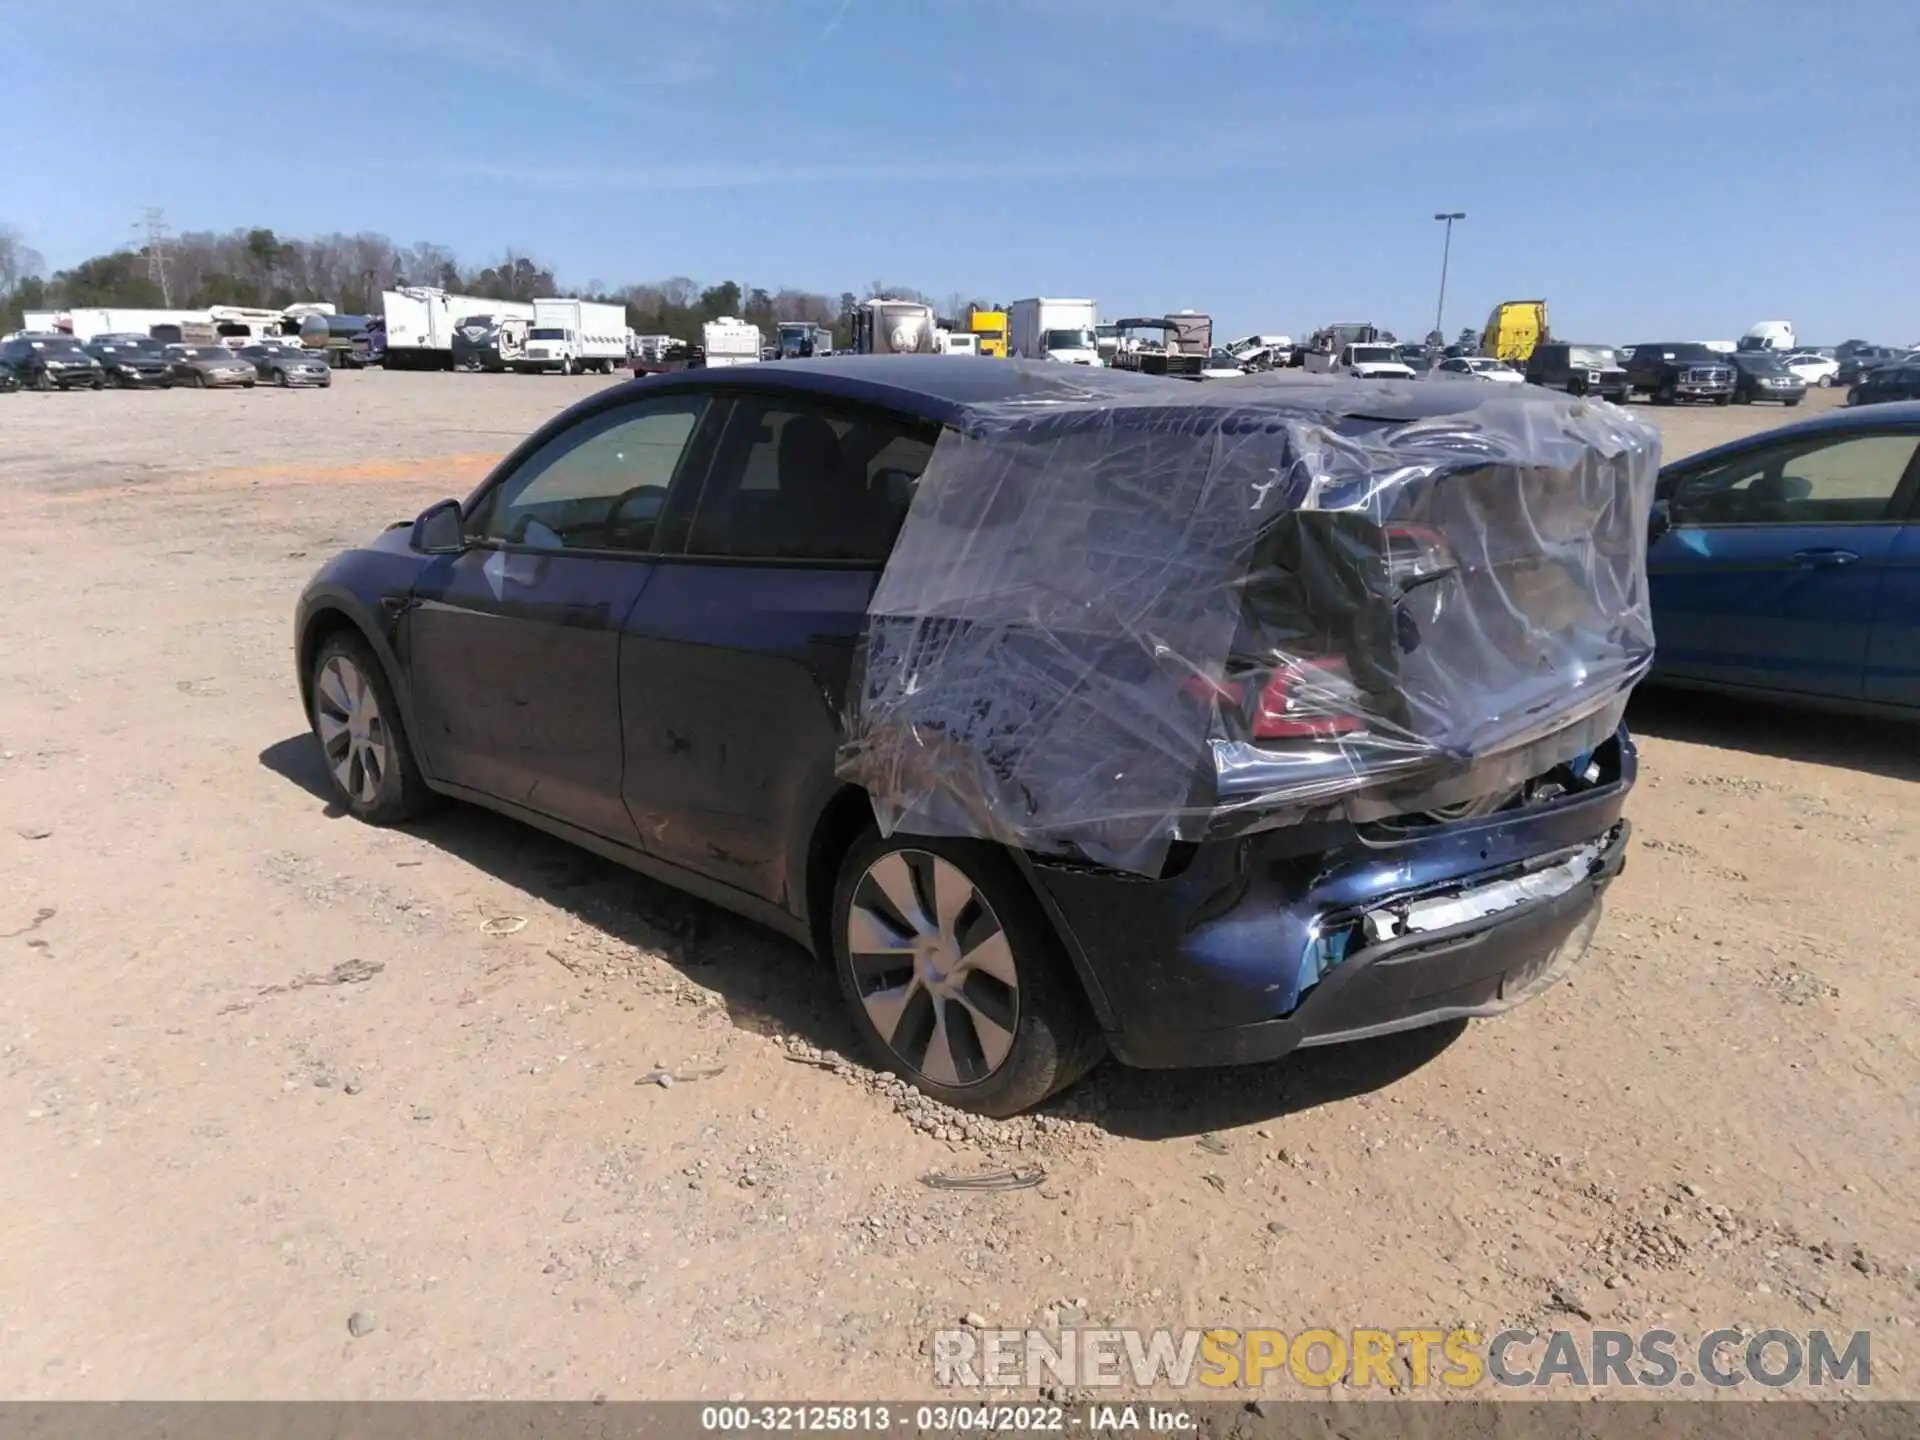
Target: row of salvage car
x: 139, y: 362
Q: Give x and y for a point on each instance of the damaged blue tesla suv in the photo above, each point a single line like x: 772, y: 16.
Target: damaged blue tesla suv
x: 1064, y: 713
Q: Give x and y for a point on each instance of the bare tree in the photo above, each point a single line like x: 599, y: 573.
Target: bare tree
x: 18, y: 261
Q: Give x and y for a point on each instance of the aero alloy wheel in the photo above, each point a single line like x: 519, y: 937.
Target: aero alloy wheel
x: 353, y: 732
x: 362, y: 740
x: 955, y: 976
x: 936, y: 977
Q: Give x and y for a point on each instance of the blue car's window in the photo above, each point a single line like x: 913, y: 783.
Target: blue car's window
x: 599, y: 485
x: 1851, y: 480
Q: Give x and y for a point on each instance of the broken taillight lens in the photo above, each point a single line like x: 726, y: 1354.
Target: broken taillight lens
x: 1308, y: 699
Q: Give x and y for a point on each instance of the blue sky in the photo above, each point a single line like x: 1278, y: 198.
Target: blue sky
x: 1675, y: 168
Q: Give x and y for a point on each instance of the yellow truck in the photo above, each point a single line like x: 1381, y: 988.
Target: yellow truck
x: 1514, y: 328
x: 991, y: 328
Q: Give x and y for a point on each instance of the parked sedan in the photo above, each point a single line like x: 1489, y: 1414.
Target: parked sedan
x: 1477, y: 367
x: 285, y: 365
x: 200, y: 366
x: 1760, y: 375
x: 1783, y: 564
x: 1221, y: 365
x: 1867, y: 358
x: 639, y: 633
x: 132, y: 361
x: 1813, y: 368
x: 52, y: 362
x: 1897, y: 381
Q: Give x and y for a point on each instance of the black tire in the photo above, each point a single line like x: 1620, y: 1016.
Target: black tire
x: 280, y: 379
x: 1743, y: 397
x: 43, y: 382
x: 1723, y: 400
x: 99, y: 382
x: 1793, y: 402
x: 1665, y: 395
x: 399, y: 792
x: 199, y: 381
x: 1055, y: 1039
x: 566, y: 366
x: 1826, y: 382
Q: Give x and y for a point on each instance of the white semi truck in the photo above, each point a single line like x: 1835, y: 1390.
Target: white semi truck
x: 574, y: 336
x: 1043, y: 329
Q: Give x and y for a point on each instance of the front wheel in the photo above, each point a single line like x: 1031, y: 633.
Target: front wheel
x: 955, y: 978
x: 566, y: 366
x: 357, y: 721
x: 1723, y: 399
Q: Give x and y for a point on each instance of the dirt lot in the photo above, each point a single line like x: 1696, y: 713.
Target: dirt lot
x: 263, y: 1069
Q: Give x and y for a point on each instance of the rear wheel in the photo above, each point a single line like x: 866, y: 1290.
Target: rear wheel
x: 955, y: 978
x: 357, y: 721
x: 1826, y: 382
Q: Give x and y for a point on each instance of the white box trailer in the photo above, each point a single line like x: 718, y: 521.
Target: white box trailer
x: 1043, y: 329
x: 570, y: 336
x: 730, y: 341
x: 85, y: 323
x: 420, y: 324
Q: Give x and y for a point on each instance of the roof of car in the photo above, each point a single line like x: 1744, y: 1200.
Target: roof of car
x: 1899, y: 414
x: 935, y: 387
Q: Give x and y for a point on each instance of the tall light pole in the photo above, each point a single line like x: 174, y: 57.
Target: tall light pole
x: 1446, y: 252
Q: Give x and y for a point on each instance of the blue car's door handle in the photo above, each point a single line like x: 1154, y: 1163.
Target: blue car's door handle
x: 1823, y: 559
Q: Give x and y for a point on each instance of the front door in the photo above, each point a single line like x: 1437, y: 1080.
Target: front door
x: 1770, y: 573
x: 513, y: 645
x: 734, y: 667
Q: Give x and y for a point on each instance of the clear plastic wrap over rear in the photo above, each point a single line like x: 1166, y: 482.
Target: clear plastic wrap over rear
x: 1118, y: 616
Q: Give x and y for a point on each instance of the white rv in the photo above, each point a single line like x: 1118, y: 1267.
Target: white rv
x: 420, y: 325
x: 730, y: 341
x: 572, y: 336
x: 1041, y: 329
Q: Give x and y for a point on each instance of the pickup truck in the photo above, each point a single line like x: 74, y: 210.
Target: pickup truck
x: 676, y: 357
x: 1677, y: 370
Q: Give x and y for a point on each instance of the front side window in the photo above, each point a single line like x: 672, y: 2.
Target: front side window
x: 599, y: 485
x: 798, y: 481
x: 1832, y: 482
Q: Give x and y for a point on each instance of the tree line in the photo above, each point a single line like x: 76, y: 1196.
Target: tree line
x: 261, y: 268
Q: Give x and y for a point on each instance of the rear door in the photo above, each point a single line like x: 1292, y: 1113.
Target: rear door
x: 735, y: 662
x: 513, y: 644
x: 1770, y: 574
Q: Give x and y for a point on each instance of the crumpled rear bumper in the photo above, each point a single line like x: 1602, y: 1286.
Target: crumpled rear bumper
x: 1477, y: 968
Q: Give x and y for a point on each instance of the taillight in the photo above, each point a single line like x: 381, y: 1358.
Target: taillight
x: 1308, y: 699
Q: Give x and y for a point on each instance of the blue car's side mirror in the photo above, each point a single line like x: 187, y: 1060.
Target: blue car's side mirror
x: 438, y: 529
x: 1660, y: 521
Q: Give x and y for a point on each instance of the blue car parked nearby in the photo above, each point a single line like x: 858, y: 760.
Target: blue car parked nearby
x: 1788, y: 563
x: 639, y: 634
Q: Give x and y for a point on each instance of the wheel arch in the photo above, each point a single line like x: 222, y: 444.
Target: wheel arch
x: 331, y: 613
x: 847, y: 815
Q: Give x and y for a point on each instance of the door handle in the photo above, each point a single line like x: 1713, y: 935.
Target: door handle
x: 1823, y: 559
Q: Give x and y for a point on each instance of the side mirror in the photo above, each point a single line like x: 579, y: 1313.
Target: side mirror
x: 437, y: 530
x: 1660, y: 521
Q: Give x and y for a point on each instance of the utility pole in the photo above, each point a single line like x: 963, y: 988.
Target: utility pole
x: 1446, y: 253
x: 155, y: 221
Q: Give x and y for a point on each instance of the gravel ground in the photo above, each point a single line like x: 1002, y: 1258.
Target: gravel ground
x: 291, y: 1107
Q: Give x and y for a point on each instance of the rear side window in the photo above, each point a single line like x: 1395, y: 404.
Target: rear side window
x: 795, y: 480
